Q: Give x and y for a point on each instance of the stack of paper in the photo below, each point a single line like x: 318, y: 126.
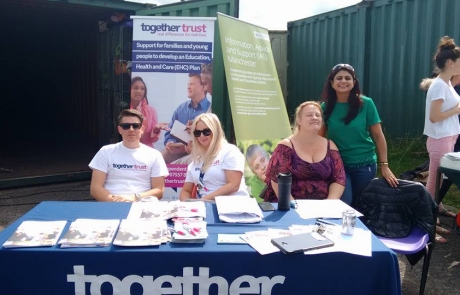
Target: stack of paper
x: 149, y: 210
x: 167, y: 210
x: 90, y: 233
x: 188, y: 209
x: 142, y: 232
x: 36, y: 234
x: 189, y: 232
x: 308, y: 209
x: 261, y: 240
x: 238, y: 209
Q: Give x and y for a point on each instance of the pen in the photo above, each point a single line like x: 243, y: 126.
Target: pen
x: 190, y: 231
x: 326, y: 222
x: 177, y: 231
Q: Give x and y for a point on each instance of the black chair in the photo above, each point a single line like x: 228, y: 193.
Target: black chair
x: 403, y: 218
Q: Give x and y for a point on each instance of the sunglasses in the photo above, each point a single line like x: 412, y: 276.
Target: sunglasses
x: 127, y: 126
x: 343, y: 66
x: 206, y: 132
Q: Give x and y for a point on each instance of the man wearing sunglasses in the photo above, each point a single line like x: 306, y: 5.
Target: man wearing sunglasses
x: 185, y: 113
x: 128, y: 171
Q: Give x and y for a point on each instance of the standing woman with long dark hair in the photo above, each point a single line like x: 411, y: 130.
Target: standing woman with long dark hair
x: 353, y: 123
x: 442, y: 107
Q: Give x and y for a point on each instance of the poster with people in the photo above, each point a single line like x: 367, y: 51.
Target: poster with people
x: 257, y: 105
x: 171, y: 84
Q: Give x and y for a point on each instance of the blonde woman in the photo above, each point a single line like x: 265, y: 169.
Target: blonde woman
x: 217, y: 167
x: 313, y: 161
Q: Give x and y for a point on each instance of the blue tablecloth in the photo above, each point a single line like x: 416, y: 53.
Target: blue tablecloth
x: 208, y: 268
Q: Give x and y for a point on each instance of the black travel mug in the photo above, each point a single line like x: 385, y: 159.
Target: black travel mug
x: 284, y: 191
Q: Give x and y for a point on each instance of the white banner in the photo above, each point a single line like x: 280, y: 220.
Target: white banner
x: 171, y: 81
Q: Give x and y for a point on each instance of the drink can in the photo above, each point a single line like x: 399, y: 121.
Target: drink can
x: 348, y: 222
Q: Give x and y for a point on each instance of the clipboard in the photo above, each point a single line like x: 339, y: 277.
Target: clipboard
x: 301, y: 242
x: 178, y: 130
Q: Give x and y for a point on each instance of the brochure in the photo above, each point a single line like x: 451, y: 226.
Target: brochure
x: 90, y: 233
x: 142, y: 232
x: 167, y: 210
x: 36, y: 234
x: 193, y: 232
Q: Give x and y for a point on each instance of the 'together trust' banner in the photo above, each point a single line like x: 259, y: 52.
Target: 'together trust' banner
x: 170, y: 57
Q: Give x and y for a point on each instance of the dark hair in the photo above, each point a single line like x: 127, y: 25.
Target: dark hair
x: 137, y: 78
x: 329, y: 96
x: 446, y: 50
x: 130, y: 113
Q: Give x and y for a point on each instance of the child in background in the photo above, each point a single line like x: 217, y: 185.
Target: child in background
x: 257, y: 159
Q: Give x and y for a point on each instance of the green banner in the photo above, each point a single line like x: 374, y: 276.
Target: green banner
x: 256, y: 100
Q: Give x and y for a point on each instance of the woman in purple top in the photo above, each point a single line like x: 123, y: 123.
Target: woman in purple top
x: 314, y: 162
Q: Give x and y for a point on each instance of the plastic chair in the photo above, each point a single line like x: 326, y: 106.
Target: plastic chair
x: 414, y: 243
x: 420, y: 241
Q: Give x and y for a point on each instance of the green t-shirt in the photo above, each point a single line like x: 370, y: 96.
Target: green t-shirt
x: 257, y: 186
x: 353, y: 140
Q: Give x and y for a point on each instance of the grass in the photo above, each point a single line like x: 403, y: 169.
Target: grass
x: 409, y: 152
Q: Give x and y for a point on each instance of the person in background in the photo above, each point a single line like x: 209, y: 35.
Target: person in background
x: 129, y: 170
x: 313, y: 161
x: 217, y: 166
x: 455, y: 81
x: 441, y: 115
x: 206, y: 77
x: 257, y: 159
x: 353, y: 123
x: 185, y: 113
x: 140, y: 103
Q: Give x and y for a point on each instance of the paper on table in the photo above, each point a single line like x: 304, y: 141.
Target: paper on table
x: 166, y: 210
x: 308, y: 209
x: 142, y: 232
x: 359, y: 243
x: 148, y: 210
x: 230, y: 239
x: 36, y: 234
x: 238, y: 209
x: 90, y: 233
x: 261, y: 240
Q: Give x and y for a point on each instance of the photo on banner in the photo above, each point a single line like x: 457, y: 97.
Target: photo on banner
x: 258, y: 110
x: 171, y: 84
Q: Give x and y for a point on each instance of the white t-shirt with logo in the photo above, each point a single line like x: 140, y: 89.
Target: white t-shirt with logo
x: 129, y: 171
x: 229, y: 158
x: 449, y: 126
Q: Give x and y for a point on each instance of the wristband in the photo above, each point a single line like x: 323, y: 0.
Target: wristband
x: 383, y: 163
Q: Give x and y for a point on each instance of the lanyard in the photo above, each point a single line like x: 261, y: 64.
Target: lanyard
x: 200, y: 185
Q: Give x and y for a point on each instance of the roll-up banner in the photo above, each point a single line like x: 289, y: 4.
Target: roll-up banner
x: 171, y: 84
x: 257, y: 105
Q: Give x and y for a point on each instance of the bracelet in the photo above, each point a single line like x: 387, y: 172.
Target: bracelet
x: 383, y: 163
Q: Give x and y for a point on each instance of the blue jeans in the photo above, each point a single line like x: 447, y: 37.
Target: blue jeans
x: 357, y: 179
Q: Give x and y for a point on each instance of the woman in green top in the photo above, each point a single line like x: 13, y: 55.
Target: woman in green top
x: 353, y: 123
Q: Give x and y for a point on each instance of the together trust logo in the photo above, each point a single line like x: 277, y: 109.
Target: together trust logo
x: 184, y: 28
x: 170, y: 284
x: 129, y: 167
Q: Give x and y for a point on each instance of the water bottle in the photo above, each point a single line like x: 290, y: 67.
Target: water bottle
x: 284, y: 191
